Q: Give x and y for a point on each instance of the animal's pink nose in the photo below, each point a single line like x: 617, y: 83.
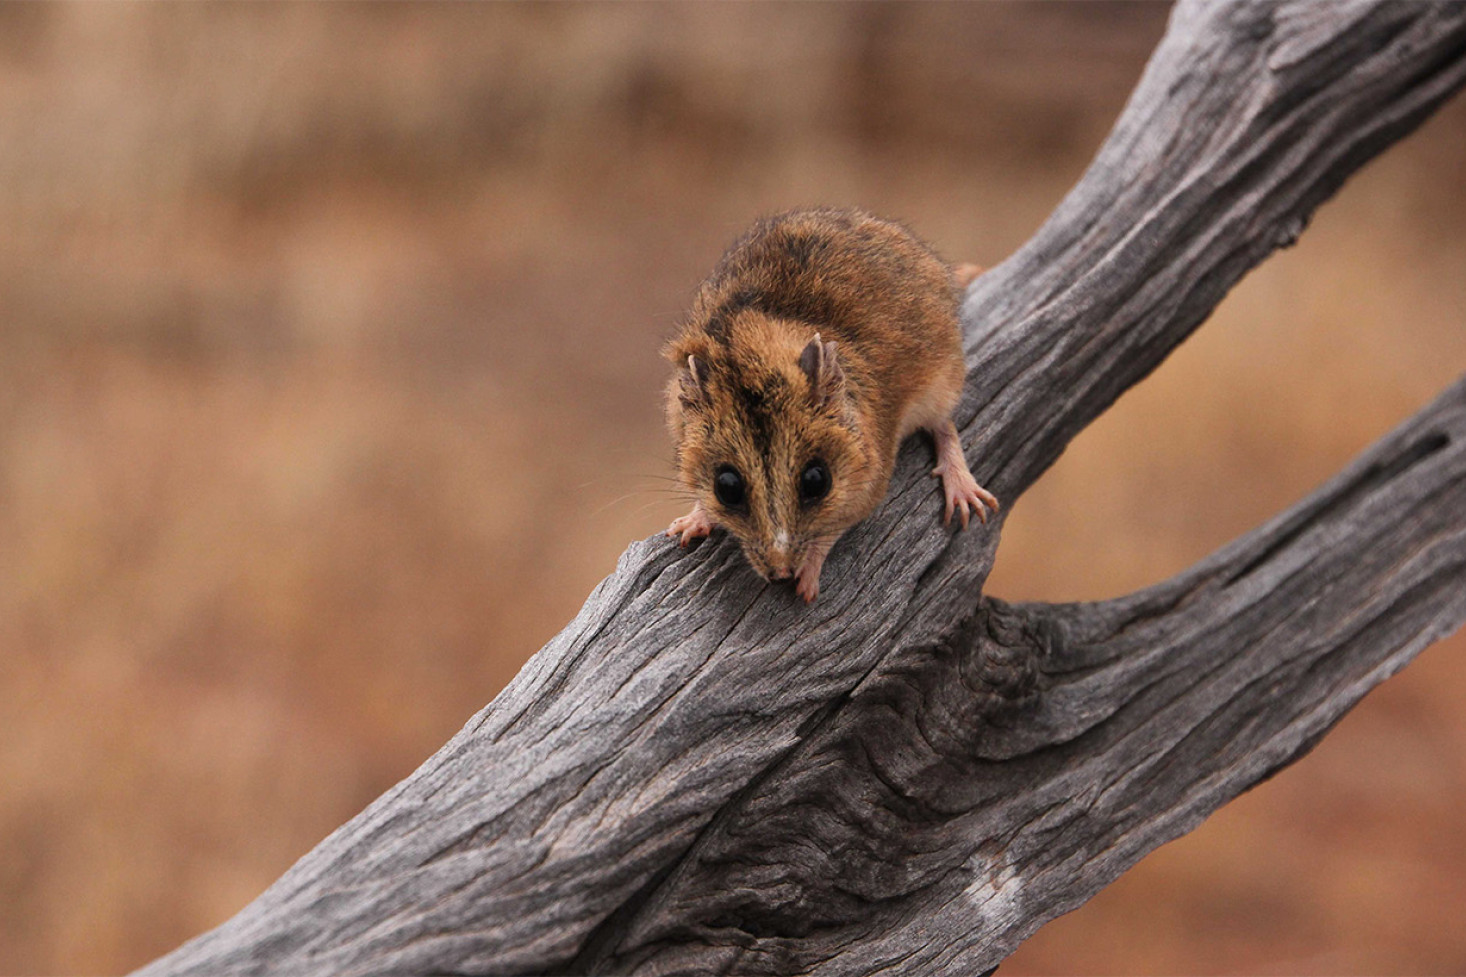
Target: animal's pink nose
x: 781, y: 573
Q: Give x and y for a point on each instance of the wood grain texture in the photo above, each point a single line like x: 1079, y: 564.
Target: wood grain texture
x: 700, y: 773
x: 970, y: 789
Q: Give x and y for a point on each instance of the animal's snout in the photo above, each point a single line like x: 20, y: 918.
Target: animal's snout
x: 781, y: 557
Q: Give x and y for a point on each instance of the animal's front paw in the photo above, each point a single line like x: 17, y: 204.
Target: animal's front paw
x: 691, y: 526
x: 807, y: 580
x: 807, y: 585
x: 963, y: 493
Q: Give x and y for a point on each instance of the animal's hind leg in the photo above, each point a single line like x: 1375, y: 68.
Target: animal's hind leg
x: 960, y: 488
x: 965, y: 274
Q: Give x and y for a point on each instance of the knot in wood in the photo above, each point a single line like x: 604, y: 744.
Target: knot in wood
x: 1003, y: 648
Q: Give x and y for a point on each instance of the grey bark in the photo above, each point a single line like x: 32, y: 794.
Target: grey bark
x: 701, y: 774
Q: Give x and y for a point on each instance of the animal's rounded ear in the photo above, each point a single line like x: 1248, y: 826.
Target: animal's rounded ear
x: 693, y: 391
x: 821, y: 364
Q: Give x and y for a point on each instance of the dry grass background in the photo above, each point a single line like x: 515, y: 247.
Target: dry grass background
x: 328, y: 390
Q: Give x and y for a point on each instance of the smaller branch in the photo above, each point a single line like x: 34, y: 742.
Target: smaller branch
x: 1248, y: 117
x: 976, y: 789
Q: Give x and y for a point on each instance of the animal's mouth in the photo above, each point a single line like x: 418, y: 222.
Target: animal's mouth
x: 775, y: 571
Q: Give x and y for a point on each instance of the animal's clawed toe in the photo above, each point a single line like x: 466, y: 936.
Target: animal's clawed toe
x: 964, y: 496
x: 689, y: 527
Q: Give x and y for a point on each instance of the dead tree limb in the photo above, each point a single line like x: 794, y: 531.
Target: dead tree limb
x: 701, y: 774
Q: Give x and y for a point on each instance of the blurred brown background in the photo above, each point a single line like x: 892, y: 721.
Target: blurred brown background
x: 329, y: 388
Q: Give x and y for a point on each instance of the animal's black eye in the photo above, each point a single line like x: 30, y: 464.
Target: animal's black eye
x: 814, y: 482
x: 728, y: 487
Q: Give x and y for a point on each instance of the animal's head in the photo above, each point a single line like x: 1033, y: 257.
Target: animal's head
x: 769, y: 442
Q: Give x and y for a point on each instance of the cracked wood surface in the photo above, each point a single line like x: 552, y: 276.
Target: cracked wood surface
x: 700, y: 773
x: 973, y: 788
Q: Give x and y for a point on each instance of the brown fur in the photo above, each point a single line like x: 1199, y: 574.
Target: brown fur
x: 758, y: 395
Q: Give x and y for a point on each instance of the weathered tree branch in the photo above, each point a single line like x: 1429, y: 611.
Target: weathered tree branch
x: 972, y: 789
x: 702, y: 774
